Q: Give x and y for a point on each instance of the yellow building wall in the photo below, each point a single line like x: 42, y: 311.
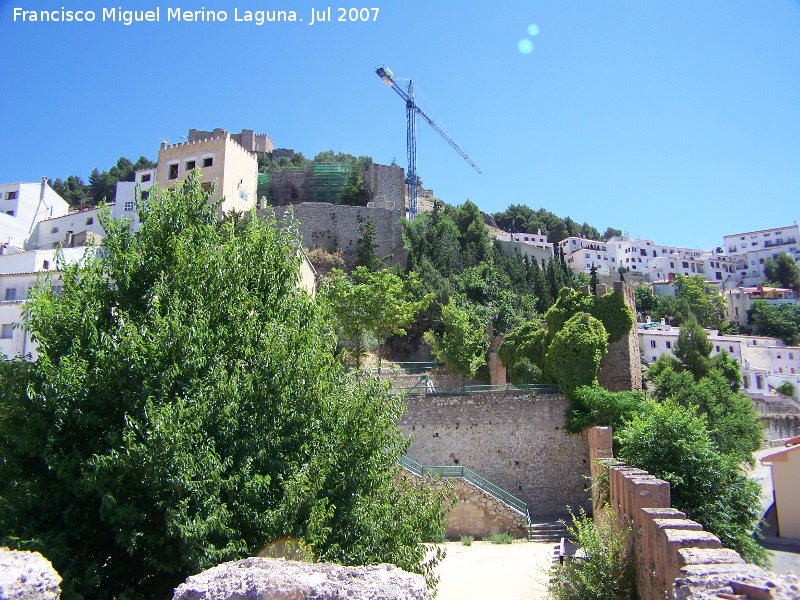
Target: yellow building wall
x: 233, y: 168
x: 786, y: 483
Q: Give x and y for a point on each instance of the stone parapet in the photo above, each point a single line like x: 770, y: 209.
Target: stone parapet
x: 673, y: 555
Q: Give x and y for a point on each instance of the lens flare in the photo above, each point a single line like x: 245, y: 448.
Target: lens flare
x: 533, y: 30
x: 525, y: 46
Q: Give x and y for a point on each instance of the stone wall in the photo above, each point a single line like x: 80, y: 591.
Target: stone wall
x: 778, y: 428
x: 515, y: 441
x: 674, y: 557
x: 386, y: 186
x: 336, y: 227
x: 477, y: 513
x: 621, y: 367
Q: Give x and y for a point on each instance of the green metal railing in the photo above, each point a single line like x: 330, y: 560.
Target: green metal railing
x: 422, y: 388
x: 459, y: 472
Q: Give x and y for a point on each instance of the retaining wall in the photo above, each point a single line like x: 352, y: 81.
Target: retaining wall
x: 515, y: 441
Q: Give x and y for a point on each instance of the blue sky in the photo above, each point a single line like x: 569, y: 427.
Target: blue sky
x: 679, y: 120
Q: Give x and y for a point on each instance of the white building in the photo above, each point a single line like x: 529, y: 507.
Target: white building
x: 22, y: 206
x: 749, y: 250
x: 766, y: 362
x: 19, y: 274
x: 580, y: 254
x: 534, y: 246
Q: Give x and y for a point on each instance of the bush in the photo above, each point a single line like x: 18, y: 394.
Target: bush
x: 500, y: 538
x: 575, y: 352
x: 593, y: 405
x: 606, y: 570
x: 467, y: 540
x: 785, y: 389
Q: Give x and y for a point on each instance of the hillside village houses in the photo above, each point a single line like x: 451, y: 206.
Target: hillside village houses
x: 35, y: 220
x: 766, y: 362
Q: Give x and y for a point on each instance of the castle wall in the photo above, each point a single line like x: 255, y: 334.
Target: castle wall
x: 336, y: 227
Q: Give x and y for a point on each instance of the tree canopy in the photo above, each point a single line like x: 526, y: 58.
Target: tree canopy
x: 783, y: 270
x: 187, y: 408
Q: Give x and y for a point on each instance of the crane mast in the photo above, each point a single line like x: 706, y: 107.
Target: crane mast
x: 412, y: 109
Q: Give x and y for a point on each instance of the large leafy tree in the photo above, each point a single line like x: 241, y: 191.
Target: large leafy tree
x: 776, y: 320
x: 693, y: 348
x: 671, y: 442
x: 187, y: 408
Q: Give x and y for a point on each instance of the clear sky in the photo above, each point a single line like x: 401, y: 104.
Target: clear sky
x: 675, y: 120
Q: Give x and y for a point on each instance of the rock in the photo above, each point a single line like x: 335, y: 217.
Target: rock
x: 279, y: 579
x: 27, y: 576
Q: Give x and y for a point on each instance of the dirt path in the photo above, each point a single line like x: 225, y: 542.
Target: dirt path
x: 503, y: 571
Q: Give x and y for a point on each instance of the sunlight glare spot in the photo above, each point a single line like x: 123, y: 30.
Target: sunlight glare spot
x: 525, y: 46
x: 533, y: 30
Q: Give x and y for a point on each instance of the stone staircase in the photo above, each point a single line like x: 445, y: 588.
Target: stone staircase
x: 550, y: 531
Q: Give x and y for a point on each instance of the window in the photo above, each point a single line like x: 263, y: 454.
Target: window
x: 144, y: 195
x: 46, y: 265
x: 11, y: 293
x: 672, y: 265
x: 173, y: 171
x: 717, y: 348
x: 90, y: 221
x: 730, y: 349
x: 54, y: 230
x: 685, y: 265
x: 7, y: 331
x: 206, y: 186
x: 243, y: 195
x: 761, y: 261
x: 791, y: 355
x: 586, y: 255
x: 208, y: 161
x: 759, y: 382
x: 57, y: 289
x: 746, y: 381
x: 10, y: 213
x: 145, y: 177
x: 669, y: 344
x: 190, y: 165
x: 652, y: 343
x: 11, y: 195
x: 129, y: 206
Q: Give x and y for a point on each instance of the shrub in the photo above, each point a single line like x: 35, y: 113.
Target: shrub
x: 500, y: 538
x: 575, y: 352
x: 606, y: 570
x: 467, y: 540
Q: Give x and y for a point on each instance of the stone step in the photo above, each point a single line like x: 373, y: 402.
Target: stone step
x: 551, y: 531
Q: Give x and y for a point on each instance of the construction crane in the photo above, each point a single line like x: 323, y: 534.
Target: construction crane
x: 412, y: 109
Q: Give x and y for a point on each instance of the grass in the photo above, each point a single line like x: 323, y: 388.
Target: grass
x: 467, y: 540
x: 500, y: 538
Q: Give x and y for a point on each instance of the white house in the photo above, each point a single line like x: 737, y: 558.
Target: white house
x: 739, y: 300
x: 19, y: 273
x: 580, y: 254
x: 534, y: 246
x: 22, y: 206
x: 749, y: 250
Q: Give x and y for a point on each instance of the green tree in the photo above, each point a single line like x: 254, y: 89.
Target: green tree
x: 186, y: 409
x: 733, y: 424
x: 574, y: 355
x: 673, y: 444
x: 464, y: 343
x: 783, y: 270
x: 693, y: 348
x: 610, y: 232
x: 348, y: 302
x: 354, y: 192
x: 366, y: 254
x: 646, y: 300
x: 72, y: 189
x: 776, y: 320
x: 699, y: 299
